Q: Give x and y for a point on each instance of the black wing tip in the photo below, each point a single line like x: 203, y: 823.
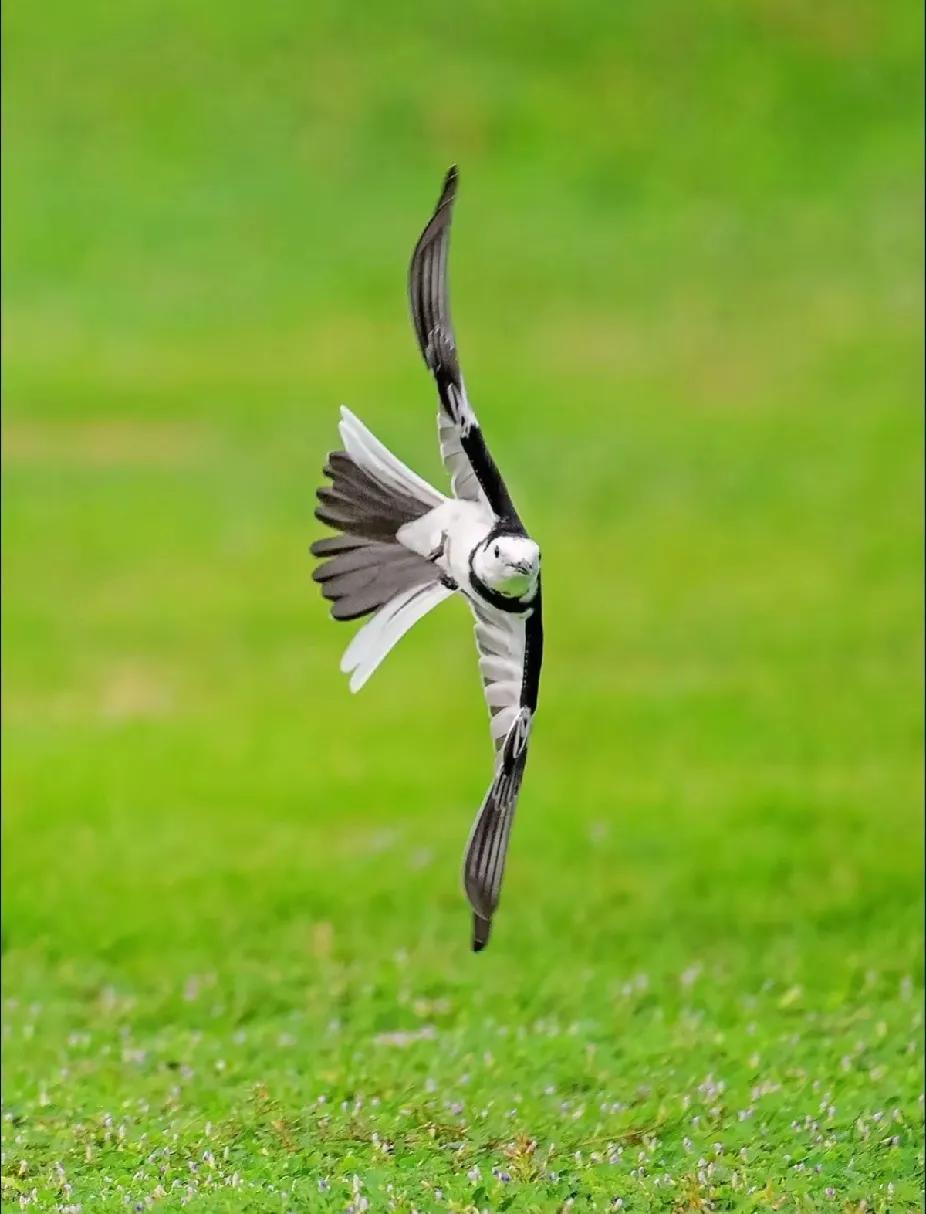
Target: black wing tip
x: 481, y: 931
x: 448, y: 191
x: 429, y: 305
x: 451, y: 177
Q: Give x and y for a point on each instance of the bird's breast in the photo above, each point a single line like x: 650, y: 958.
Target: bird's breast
x: 469, y: 527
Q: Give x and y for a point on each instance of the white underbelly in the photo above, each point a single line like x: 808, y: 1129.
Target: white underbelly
x: 457, y: 526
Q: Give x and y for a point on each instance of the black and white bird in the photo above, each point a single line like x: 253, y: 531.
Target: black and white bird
x: 404, y: 547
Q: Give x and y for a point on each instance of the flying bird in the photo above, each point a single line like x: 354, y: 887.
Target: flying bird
x: 403, y: 547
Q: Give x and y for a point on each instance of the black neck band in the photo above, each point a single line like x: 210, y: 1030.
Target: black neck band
x: 494, y: 598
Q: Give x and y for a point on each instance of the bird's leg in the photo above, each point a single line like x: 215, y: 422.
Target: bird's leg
x: 435, y: 555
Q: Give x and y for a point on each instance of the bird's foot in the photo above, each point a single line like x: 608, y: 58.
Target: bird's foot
x: 436, y: 553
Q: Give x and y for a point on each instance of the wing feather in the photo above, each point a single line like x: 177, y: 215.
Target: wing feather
x: 473, y: 472
x: 510, y: 656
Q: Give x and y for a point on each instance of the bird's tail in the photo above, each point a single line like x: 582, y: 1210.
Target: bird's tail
x: 372, y: 493
x: 365, y: 569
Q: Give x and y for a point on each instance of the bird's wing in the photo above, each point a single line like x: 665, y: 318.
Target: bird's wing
x: 466, y: 457
x: 510, y: 656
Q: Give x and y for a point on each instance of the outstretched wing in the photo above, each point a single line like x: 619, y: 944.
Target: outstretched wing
x: 510, y: 656
x: 466, y: 457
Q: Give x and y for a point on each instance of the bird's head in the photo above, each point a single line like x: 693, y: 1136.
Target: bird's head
x: 508, y: 564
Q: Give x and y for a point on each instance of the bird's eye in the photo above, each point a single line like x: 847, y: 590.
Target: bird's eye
x: 497, y: 550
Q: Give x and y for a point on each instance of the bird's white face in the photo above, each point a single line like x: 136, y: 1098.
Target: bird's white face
x: 508, y: 564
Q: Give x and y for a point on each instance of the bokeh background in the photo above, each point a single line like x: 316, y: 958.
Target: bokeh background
x: 687, y: 283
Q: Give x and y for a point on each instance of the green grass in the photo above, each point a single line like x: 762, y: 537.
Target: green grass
x: 687, y: 281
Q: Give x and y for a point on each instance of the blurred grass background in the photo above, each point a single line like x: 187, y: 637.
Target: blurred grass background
x: 687, y: 281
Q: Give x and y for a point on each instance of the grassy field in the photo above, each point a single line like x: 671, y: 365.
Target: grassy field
x: 687, y: 275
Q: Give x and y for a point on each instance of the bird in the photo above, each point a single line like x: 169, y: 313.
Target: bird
x: 402, y: 547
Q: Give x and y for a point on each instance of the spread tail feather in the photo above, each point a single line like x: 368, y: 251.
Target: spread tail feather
x: 365, y: 570
x: 377, y: 460
x: 376, y: 638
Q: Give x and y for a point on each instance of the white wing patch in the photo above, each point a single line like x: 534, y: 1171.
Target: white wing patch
x: 500, y: 639
x: 462, y: 477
